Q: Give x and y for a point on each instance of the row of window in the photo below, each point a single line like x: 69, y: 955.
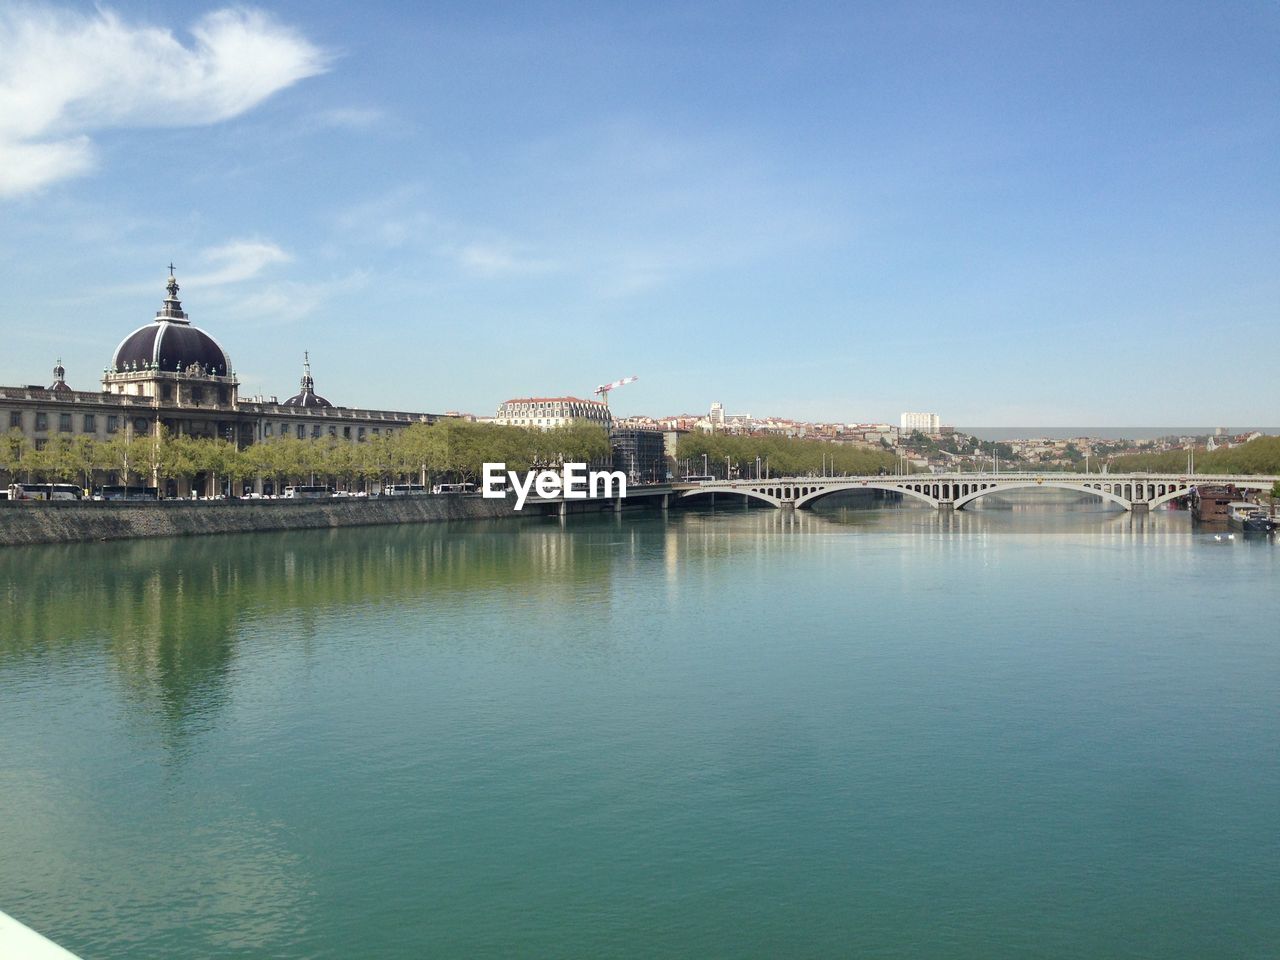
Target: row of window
x: 537, y: 421
x: 88, y: 425
x: 300, y: 431
x: 590, y: 411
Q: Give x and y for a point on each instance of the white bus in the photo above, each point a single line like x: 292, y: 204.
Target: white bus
x: 403, y: 490
x: 45, y: 491
x: 311, y: 492
x: 454, y: 488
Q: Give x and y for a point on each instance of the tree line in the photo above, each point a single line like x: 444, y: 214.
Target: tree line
x: 1260, y: 455
x: 452, y: 450
x: 784, y: 456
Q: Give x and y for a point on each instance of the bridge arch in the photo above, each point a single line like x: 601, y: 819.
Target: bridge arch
x: 747, y: 492
x: 817, y: 492
x: 1176, y: 491
x: 1105, y: 495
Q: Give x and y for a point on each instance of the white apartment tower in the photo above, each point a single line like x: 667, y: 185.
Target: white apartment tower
x: 926, y: 423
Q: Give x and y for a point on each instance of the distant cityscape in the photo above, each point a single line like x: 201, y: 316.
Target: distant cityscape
x: 920, y: 438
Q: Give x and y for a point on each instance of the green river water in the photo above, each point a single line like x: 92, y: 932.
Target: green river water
x: 1044, y: 731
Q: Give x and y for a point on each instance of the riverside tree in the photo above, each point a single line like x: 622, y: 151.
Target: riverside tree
x: 1260, y: 455
x: 786, y: 456
x: 453, y: 449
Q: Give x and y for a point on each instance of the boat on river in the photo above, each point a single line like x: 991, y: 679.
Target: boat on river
x: 1249, y: 517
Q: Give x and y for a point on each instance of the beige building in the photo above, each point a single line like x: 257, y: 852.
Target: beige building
x: 547, y: 412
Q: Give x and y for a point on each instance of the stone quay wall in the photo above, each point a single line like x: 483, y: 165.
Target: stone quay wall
x: 70, y: 521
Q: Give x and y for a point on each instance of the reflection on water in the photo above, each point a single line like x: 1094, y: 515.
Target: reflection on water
x: 169, y: 612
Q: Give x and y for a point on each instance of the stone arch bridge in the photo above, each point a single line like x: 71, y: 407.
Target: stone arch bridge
x: 1131, y: 491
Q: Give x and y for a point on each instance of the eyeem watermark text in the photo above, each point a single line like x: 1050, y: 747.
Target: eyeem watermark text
x: 573, y: 482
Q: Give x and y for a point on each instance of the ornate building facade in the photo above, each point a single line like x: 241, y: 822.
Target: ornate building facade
x: 170, y: 376
x: 543, y: 413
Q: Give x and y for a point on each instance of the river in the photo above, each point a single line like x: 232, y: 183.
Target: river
x: 1046, y: 731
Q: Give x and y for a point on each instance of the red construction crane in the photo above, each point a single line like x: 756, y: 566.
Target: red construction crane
x: 603, y: 389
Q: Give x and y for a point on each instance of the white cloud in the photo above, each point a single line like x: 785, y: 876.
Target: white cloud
x: 64, y: 74
x: 236, y: 261
x: 288, y: 302
x: 351, y: 118
x: 494, y: 260
x: 199, y: 274
x: 392, y: 220
x: 28, y: 166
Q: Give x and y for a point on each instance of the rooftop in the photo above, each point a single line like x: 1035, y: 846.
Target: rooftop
x: 552, y: 400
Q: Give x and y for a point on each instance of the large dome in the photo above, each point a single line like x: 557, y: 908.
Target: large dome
x: 171, y: 343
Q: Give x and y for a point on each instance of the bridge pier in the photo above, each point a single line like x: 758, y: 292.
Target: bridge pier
x: 787, y: 505
x: 1140, y: 506
x: 946, y: 506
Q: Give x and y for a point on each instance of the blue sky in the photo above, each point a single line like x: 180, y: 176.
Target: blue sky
x: 1010, y: 213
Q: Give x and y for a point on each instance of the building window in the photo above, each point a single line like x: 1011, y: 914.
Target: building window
x: 360, y: 434
x: 315, y: 431
x: 166, y: 391
x: 302, y: 431
x: 15, y: 419
x: 267, y: 430
x: 139, y: 389
x: 90, y: 423
x: 346, y: 433
x: 42, y: 421
x: 333, y: 431
x: 113, y: 424
x: 41, y: 443
x: 197, y: 394
x: 376, y: 431
x: 140, y: 425
x: 222, y: 395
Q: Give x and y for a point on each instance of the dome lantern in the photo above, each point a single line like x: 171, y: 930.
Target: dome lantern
x: 59, y: 378
x: 307, y: 396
